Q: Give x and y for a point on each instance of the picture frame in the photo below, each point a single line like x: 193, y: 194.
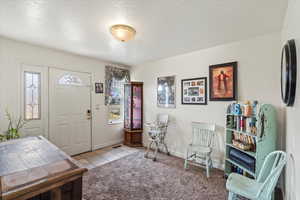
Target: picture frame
x: 99, y: 88
x: 166, y: 92
x: 194, y: 91
x: 223, y: 82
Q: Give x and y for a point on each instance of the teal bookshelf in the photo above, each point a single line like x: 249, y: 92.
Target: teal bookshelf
x: 263, y: 141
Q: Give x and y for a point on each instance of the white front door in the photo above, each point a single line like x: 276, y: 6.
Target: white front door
x: 69, y: 104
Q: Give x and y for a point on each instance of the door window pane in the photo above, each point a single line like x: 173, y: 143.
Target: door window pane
x: 32, y: 91
x: 68, y: 79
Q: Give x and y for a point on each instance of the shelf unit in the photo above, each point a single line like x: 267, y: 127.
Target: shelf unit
x: 133, y: 114
x: 265, y: 139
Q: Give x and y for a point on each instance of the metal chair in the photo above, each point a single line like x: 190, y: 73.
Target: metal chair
x: 157, y: 133
x: 263, y: 187
x: 201, y: 146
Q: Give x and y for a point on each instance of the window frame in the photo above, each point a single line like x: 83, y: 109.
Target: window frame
x: 39, y: 95
x: 119, y: 106
x: 115, y: 78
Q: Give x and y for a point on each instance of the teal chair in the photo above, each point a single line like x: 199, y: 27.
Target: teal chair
x: 263, y: 187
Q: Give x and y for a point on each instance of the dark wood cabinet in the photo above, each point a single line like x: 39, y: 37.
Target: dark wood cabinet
x: 133, y: 138
x: 133, y: 114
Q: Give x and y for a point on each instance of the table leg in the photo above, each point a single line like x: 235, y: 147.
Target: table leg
x: 56, y: 194
x: 77, y: 189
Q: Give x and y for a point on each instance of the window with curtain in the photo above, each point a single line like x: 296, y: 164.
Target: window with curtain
x: 115, y: 78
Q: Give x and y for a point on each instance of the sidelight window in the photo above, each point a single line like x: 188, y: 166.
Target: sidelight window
x: 32, y: 95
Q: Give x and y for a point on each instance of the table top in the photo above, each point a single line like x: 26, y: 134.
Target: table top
x: 33, y: 161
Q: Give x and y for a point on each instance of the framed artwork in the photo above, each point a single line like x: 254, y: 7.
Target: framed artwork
x: 223, y: 82
x: 194, y: 91
x: 166, y: 92
x: 98, y: 88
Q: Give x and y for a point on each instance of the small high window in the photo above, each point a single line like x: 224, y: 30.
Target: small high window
x: 32, y: 95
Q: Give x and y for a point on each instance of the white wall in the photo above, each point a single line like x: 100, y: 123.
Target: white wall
x: 291, y: 30
x: 14, y: 54
x: 258, y: 79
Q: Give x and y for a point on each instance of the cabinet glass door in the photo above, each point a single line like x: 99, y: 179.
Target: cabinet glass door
x: 127, y: 106
x: 137, y: 107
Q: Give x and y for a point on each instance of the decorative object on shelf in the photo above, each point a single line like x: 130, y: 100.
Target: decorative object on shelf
x: 166, y: 92
x: 237, y: 110
x: 133, y: 114
x: 14, y: 126
x: 194, y: 91
x: 98, y: 88
x: 249, y: 139
x: 122, y: 32
x: 289, y: 72
x: 254, y: 107
x: 247, y: 109
x: 223, y: 82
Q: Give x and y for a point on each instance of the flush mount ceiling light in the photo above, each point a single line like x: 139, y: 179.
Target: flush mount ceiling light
x: 122, y: 32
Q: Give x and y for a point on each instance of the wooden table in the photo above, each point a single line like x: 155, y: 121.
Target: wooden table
x: 33, y: 168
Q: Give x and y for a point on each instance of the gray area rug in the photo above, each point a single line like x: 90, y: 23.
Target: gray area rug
x: 137, y: 178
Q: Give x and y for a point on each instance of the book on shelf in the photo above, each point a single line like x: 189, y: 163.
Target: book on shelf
x: 244, y: 142
x: 241, y: 123
x: 242, y: 159
x: 240, y: 171
x: 243, y: 138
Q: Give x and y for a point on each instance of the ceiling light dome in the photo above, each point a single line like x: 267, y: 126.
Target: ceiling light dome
x: 122, y: 32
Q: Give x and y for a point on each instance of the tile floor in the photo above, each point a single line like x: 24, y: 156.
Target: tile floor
x: 102, y: 156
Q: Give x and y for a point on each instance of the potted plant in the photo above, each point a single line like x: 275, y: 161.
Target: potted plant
x: 14, y: 126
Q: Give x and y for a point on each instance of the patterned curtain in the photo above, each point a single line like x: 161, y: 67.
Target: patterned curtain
x: 114, y: 83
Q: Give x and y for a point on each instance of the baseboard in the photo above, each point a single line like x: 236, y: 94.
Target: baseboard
x: 107, y: 144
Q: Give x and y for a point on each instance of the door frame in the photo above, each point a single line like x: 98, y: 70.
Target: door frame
x: 45, y: 97
x: 90, y: 74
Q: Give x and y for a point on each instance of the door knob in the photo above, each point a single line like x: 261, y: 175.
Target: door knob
x: 88, y: 114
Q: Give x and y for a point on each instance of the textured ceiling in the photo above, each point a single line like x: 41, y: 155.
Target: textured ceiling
x: 164, y: 27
